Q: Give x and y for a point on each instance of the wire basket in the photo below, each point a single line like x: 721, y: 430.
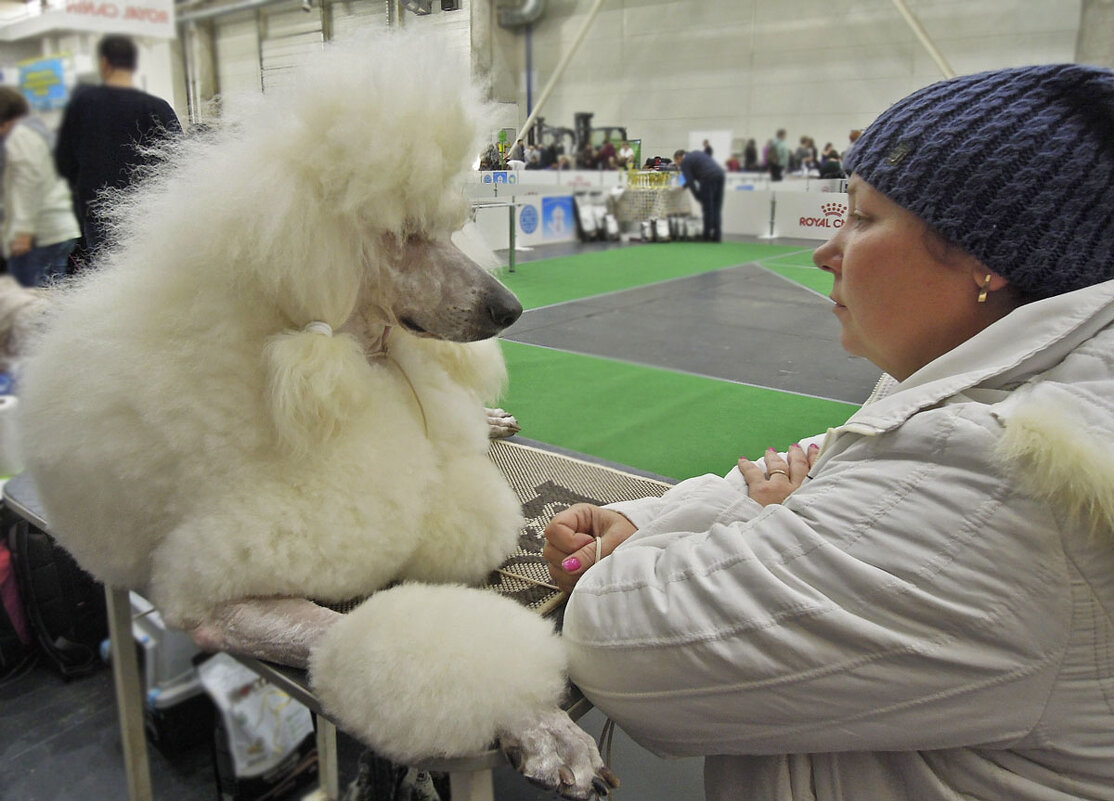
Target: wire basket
x: 650, y: 194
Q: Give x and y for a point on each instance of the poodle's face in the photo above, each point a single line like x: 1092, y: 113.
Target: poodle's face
x: 432, y: 289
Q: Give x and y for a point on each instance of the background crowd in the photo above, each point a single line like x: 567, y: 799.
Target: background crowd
x: 51, y: 184
x: 775, y: 158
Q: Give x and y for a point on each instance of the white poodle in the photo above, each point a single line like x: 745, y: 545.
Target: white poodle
x: 262, y: 396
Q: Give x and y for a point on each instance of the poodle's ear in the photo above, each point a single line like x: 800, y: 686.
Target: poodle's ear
x: 315, y: 383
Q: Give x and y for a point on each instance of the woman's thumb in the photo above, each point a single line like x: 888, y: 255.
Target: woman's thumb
x: 579, y: 561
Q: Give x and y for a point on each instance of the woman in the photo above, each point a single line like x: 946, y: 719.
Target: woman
x: 923, y: 607
x: 39, y: 230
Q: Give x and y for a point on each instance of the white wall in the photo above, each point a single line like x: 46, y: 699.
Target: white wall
x: 815, y: 67
x: 667, y: 68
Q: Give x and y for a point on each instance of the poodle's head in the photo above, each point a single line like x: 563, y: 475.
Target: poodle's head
x: 432, y: 289
x: 336, y: 193
x: 327, y: 202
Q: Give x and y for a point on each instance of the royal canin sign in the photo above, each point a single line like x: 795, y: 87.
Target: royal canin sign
x: 832, y: 213
x: 149, y: 19
x: 118, y: 11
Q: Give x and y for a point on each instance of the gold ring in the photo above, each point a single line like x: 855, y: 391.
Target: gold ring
x: 779, y: 472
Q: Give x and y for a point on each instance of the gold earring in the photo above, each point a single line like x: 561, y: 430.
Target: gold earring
x: 985, y: 289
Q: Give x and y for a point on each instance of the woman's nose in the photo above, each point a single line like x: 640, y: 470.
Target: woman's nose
x: 828, y: 256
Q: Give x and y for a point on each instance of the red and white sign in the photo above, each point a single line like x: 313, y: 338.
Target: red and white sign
x: 809, y: 215
x: 142, y: 18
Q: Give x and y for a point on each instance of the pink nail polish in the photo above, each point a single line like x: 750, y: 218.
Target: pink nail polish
x: 571, y: 565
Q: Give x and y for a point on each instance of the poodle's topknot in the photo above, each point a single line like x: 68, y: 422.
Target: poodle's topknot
x: 320, y: 155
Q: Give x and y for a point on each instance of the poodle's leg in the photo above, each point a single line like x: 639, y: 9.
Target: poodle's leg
x: 282, y: 630
x: 546, y: 746
x: 552, y: 751
x: 419, y: 671
x: 501, y: 424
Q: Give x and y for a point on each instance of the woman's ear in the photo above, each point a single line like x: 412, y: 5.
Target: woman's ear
x: 987, y: 279
x: 994, y: 293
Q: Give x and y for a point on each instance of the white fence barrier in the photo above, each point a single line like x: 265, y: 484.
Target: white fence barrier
x: 545, y: 212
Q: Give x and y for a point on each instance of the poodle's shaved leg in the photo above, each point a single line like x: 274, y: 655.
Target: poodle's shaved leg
x: 501, y: 424
x: 554, y: 752
x: 282, y: 630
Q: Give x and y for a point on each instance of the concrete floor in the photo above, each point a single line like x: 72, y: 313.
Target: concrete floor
x: 742, y: 324
x: 59, y: 740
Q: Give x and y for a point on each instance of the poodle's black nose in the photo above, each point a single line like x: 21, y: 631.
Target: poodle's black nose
x: 504, y: 310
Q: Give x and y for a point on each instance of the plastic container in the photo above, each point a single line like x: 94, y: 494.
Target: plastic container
x: 177, y: 711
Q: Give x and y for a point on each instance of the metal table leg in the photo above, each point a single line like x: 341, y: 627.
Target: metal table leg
x: 129, y: 694
x: 327, y: 758
x: 471, y: 785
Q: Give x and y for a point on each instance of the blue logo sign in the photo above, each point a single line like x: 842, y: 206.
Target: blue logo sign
x: 557, y: 217
x: 528, y: 219
x: 500, y: 177
x: 42, y: 83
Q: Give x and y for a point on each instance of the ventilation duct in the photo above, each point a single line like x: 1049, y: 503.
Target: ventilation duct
x: 522, y: 14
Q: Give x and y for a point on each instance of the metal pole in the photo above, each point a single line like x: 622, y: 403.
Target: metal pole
x: 129, y: 694
x: 328, y: 777
x: 919, y: 30
x: 511, y: 256
x: 529, y: 73
x: 557, y: 73
x: 471, y: 785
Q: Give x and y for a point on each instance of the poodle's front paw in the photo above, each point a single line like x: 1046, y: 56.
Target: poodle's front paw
x: 553, y: 752
x: 501, y: 424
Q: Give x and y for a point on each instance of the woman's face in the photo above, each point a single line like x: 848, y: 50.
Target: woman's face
x: 901, y: 306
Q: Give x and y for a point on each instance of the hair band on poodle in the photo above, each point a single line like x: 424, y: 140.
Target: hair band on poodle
x: 319, y: 327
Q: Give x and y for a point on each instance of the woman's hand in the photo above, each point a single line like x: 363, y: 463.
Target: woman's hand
x: 781, y: 476
x: 21, y: 244
x: 571, y: 540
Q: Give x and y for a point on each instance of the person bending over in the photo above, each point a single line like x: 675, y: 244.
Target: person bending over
x: 705, y: 178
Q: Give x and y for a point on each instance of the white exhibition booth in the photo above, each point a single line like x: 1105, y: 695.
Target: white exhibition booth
x: 542, y: 204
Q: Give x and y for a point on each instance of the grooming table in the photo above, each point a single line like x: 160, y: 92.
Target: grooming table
x: 545, y: 479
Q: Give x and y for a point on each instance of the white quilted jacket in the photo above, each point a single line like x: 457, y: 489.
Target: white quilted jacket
x: 930, y: 617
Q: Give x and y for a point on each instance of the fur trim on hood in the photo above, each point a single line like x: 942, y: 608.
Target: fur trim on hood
x: 1057, y: 457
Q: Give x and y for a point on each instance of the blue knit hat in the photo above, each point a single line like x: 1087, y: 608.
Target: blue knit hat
x: 1015, y: 166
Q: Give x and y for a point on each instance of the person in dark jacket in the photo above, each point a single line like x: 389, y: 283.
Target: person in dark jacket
x: 705, y: 178
x: 832, y: 166
x: 102, y: 133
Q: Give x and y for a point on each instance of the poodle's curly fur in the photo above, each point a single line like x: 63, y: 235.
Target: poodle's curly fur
x: 189, y: 439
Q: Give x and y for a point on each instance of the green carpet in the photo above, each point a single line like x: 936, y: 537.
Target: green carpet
x: 667, y: 423
x: 672, y: 424
x: 798, y: 267
x: 543, y: 283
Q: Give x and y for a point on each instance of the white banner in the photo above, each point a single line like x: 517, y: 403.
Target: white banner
x: 143, y: 18
x: 538, y: 219
x: 746, y: 211
x: 808, y: 215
